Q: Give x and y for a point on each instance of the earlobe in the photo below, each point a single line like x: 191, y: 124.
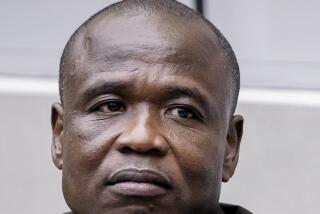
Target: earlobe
x: 232, y: 147
x: 57, y: 133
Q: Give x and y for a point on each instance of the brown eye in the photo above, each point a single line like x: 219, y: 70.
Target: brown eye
x: 184, y: 113
x: 111, y: 106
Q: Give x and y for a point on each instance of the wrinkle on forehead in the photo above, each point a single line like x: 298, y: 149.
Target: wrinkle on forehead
x: 146, y: 55
x: 135, y: 43
x: 148, y: 40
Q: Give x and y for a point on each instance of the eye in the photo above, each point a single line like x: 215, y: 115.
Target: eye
x: 110, y: 106
x: 184, y: 113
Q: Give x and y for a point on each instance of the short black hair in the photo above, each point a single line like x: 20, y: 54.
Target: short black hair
x: 173, y: 8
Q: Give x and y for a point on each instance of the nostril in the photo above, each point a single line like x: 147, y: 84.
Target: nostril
x: 126, y: 149
x: 152, y: 152
x: 155, y: 152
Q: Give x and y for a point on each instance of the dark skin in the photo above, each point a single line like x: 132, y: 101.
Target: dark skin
x: 148, y: 97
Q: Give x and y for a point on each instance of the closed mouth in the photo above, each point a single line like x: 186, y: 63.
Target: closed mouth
x: 137, y: 182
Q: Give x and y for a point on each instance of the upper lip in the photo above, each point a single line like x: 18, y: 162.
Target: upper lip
x: 140, y: 176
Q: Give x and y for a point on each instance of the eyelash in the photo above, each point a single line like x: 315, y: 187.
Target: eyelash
x: 195, y: 114
x: 96, y: 107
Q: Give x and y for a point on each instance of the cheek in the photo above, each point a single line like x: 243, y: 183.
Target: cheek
x: 88, y: 141
x: 199, y: 156
x: 86, y: 144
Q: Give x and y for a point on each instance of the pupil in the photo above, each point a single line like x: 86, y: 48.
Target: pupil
x: 183, y: 113
x: 113, y: 106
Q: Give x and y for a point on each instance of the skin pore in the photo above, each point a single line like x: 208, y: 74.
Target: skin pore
x: 146, y: 99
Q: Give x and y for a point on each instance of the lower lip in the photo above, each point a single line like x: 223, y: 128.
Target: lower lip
x: 138, y: 189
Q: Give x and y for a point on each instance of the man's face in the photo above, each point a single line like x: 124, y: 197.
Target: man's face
x: 145, y: 124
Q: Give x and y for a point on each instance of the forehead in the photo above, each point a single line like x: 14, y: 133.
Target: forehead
x: 152, y: 37
x: 159, y: 44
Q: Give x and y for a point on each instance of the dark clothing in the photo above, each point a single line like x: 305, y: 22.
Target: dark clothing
x: 227, y: 209
x: 233, y: 209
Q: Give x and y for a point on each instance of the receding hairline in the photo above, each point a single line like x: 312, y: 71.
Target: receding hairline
x: 171, y: 7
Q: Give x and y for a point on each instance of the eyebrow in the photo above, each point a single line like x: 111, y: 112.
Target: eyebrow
x: 168, y: 93
x: 105, y: 87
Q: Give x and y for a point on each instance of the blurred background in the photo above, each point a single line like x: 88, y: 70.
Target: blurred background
x: 277, y: 45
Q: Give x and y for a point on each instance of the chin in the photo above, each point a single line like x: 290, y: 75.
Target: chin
x: 134, y: 209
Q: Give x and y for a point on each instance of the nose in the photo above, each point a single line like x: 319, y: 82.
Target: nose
x: 142, y: 137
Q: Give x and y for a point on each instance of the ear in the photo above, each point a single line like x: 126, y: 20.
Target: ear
x: 57, y: 134
x: 232, y: 147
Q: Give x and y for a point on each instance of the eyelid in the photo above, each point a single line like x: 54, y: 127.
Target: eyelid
x: 189, y: 107
x: 102, y: 101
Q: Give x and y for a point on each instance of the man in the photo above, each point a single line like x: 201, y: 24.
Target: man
x: 145, y: 125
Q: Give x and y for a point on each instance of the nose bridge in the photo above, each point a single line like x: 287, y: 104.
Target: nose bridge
x: 142, y: 135
x: 143, y: 129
